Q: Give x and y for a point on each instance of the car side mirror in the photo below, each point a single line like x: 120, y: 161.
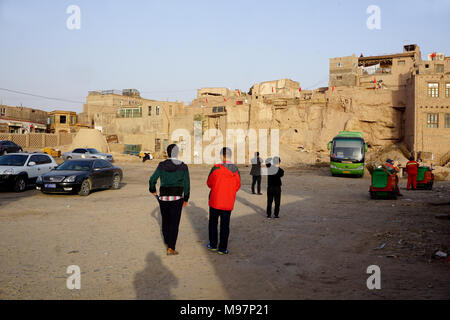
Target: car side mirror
x: 31, y: 164
x: 365, y: 147
x: 329, y: 145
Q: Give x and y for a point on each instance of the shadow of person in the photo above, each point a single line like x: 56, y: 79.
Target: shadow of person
x: 155, y: 281
x: 256, y: 208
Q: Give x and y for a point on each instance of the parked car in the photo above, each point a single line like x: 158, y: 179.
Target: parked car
x: 18, y: 170
x: 7, y: 146
x: 82, y: 176
x: 86, y: 153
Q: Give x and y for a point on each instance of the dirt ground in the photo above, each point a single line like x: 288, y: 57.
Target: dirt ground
x: 320, y: 248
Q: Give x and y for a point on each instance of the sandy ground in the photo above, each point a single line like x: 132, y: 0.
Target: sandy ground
x: 319, y: 249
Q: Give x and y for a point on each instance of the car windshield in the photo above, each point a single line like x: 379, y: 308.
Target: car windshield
x: 348, y: 149
x: 92, y: 150
x: 74, y: 165
x: 13, y: 160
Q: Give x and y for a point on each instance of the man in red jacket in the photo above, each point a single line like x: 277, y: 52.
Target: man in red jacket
x: 224, y: 180
x: 411, y: 168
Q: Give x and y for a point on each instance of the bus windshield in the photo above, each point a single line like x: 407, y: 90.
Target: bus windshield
x: 348, y: 149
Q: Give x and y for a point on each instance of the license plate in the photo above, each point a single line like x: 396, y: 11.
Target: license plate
x: 346, y: 172
x: 51, y: 185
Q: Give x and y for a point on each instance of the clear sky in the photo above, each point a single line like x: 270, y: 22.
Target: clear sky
x: 168, y: 48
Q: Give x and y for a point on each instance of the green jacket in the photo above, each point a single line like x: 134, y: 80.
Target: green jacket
x: 174, y: 176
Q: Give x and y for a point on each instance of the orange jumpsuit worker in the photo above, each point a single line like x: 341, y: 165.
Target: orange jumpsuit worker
x: 411, y: 168
x: 390, y: 164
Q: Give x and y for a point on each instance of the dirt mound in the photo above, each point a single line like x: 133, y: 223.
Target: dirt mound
x: 90, y: 138
x: 441, y: 173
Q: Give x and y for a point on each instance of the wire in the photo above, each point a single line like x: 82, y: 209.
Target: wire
x: 39, y: 96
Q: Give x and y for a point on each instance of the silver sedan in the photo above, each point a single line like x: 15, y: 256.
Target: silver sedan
x: 86, y: 153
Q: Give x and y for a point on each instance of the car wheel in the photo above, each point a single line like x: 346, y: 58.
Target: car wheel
x: 85, y: 188
x: 5, y: 152
x: 68, y: 158
x: 116, y: 182
x: 20, y: 185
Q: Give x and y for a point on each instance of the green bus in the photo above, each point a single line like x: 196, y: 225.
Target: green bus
x: 347, y: 153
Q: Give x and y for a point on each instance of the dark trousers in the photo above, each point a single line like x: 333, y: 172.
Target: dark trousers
x: 214, y: 215
x: 171, y: 215
x: 256, y: 180
x: 273, y: 193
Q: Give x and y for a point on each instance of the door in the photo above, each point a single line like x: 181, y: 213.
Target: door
x: 98, y: 175
x: 107, y: 172
x: 78, y: 153
x: 45, y: 164
x: 33, y: 171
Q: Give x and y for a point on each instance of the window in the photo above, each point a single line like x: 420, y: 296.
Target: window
x: 157, y: 110
x: 52, y: 119
x: 338, y: 77
x: 104, y: 164
x: 432, y: 120
x: 130, y: 112
x: 433, y: 89
x: 73, y: 119
x: 34, y: 159
x: 43, y: 159
x: 149, y: 110
x: 218, y: 109
x: 401, y: 62
x: 3, y: 112
x: 340, y: 65
x: 62, y: 119
x: 447, y: 120
x: 98, y: 164
x: 79, y: 151
x: 439, y: 68
x: 447, y: 90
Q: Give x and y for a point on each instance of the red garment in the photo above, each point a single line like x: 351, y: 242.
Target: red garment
x: 224, y: 181
x: 411, y: 167
x: 412, y: 180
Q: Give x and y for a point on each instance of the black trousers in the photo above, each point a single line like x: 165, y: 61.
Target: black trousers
x: 256, y: 180
x: 171, y: 215
x: 214, y: 215
x: 273, y: 193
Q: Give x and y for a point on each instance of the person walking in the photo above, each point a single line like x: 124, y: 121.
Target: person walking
x: 173, y: 195
x: 224, y: 180
x: 275, y: 173
x: 412, y: 167
x: 255, y: 172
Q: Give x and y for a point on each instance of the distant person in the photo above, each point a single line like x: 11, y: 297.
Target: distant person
x: 274, y: 175
x: 393, y: 169
x: 412, y: 167
x: 173, y: 195
x: 255, y: 172
x: 224, y: 180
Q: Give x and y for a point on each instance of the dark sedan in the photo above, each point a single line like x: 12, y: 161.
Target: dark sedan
x: 80, y: 176
x: 7, y: 146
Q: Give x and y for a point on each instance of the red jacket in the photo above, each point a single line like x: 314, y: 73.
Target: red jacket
x: 411, y: 167
x: 224, y: 181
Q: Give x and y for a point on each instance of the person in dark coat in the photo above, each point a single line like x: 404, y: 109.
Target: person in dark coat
x: 274, y: 175
x: 255, y: 172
